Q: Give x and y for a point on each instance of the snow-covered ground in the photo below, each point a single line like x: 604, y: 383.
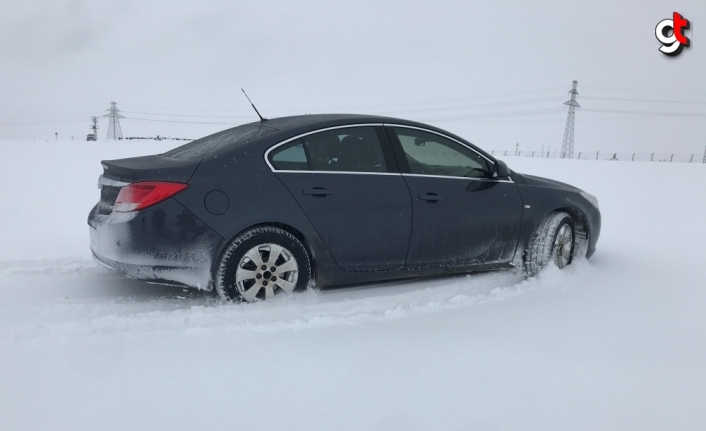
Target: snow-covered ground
x: 616, y: 343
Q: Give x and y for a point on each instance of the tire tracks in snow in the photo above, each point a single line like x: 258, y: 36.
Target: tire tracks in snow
x: 203, y: 315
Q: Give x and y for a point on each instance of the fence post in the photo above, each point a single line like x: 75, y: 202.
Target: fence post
x: 579, y: 156
x: 671, y: 158
x: 652, y: 157
x: 492, y: 153
x: 533, y: 154
x: 597, y: 155
x: 519, y: 153
x: 692, y: 158
x: 506, y: 153
x: 633, y: 157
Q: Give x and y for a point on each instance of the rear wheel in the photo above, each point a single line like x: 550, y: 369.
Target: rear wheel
x: 552, y: 241
x: 262, y: 263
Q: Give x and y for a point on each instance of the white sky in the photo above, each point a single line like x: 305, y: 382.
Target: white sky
x: 494, y: 72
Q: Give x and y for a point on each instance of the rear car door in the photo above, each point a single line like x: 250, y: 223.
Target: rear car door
x: 347, y: 182
x: 462, y: 215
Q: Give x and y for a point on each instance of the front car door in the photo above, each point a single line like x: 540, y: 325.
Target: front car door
x: 347, y: 182
x: 461, y: 214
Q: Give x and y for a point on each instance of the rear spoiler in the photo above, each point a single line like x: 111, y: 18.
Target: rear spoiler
x: 149, y: 168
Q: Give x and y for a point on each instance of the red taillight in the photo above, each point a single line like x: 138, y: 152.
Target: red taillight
x: 138, y: 196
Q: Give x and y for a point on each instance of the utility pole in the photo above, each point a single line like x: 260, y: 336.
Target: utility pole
x: 704, y: 154
x: 94, y: 126
x: 114, y: 130
x: 567, y: 146
x: 517, y: 147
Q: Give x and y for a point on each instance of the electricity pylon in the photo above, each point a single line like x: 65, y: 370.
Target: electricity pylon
x: 114, y: 130
x: 567, y: 146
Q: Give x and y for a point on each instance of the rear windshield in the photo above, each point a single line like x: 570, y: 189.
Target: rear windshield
x: 218, y: 142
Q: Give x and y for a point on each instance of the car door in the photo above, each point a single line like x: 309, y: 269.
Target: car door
x: 461, y: 214
x: 347, y: 182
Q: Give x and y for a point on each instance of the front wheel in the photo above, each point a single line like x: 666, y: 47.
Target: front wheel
x: 552, y: 241
x: 262, y: 263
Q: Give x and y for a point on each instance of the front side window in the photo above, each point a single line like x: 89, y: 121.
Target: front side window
x: 350, y: 149
x: 431, y: 154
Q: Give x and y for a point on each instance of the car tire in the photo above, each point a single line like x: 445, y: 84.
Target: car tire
x: 554, y: 240
x: 262, y: 263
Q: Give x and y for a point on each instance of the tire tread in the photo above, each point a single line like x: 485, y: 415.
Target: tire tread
x: 539, y: 249
x: 234, y: 245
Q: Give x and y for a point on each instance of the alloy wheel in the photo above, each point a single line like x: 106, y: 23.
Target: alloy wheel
x: 563, y: 243
x: 265, y: 271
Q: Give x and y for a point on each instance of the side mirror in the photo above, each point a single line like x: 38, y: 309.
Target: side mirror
x: 501, y: 169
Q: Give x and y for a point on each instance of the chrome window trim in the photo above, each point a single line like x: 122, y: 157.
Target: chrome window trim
x: 490, y: 180
x: 395, y: 174
x: 337, y: 172
x: 442, y: 135
x: 294, y: 138
x: 103, y: 181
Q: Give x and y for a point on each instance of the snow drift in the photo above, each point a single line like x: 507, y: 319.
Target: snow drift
x: 611, y: 343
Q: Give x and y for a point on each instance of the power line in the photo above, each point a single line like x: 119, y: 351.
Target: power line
x: 36, y: 123
x: 40, y: 116
x: 644, y: 90
x: 644, y: 100
x: 188, y: 115
x: 581, y: 120
x: 651, y: 113
x: 500, y: 114
x: 485, y: 105
x: 177, y: 121
x: 437, y: 101
x: 55, y: 108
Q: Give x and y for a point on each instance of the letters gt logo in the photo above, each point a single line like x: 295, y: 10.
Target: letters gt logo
x: 670, y: 32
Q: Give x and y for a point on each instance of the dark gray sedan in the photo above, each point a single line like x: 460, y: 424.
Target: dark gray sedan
x: 272, y: 207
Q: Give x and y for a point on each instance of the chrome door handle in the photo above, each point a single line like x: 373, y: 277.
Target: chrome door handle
x: 317, y: 191
x: 431, y: 197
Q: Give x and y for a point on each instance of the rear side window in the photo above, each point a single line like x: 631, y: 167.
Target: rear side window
x: 350, y: 149
x: 290, y: 157
x: 432, y: 154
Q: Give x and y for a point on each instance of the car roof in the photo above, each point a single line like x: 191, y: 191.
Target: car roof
x: 279, y: 129
x: 315, y: 121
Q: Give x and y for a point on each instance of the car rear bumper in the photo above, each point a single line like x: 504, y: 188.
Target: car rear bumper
x: 165, y: 243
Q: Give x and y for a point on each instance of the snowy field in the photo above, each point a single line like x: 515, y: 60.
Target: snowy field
x: 616, y: 343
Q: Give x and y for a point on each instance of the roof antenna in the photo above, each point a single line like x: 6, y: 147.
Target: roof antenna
x: 253, y: 106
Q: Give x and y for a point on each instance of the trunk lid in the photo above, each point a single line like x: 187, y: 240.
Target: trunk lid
x: 121, y: 172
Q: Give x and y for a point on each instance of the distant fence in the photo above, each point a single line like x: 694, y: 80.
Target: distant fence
x: 598, y: 155
x: 155, y: 138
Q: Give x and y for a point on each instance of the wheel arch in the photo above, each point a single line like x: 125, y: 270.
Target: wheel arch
x: 581, y: 227
x: 285, y: 227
